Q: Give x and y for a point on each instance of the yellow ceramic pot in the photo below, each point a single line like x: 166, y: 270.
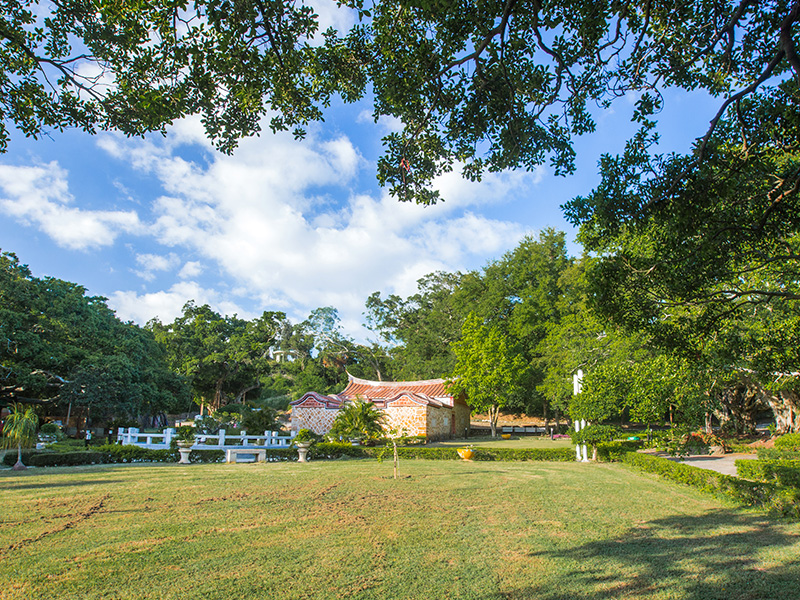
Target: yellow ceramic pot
x: 465, y: 453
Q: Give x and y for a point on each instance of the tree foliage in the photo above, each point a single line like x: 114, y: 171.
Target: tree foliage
x: 135, y: 67
x: 482, y: 86
x: 59, y: 345
x: 487, y: 370
x: 223, y: 357
x: 19, y: 431
x: 358, y: 419
x: 420, y: 329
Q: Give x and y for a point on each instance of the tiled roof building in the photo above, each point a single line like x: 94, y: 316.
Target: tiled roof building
x: 414, y: 407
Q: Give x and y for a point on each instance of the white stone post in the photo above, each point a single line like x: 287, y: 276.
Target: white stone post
x: 580, y: 449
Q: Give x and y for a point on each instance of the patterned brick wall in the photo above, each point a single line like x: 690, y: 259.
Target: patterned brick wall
x: 462, y: 414
x: 439, y: 423
x: 410, y: 418
x: 402, y: 414
x: 318, y: 420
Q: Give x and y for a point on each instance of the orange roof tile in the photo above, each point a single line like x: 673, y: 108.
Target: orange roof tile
x: 432, y: 389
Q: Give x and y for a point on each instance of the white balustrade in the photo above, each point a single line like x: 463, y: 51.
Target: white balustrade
x: 204, y: 441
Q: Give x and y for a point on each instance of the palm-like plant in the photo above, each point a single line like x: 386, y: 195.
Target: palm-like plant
x: 19, y: 431
x: 359, y: 419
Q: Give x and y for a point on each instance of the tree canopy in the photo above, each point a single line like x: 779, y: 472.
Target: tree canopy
x: 58, y: 345
x: 480, y: 85
x: 487, y: 371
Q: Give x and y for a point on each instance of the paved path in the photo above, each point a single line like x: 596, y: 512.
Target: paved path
x: 721, y: 464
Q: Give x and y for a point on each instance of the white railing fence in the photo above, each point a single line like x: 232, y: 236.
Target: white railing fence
x: 203, y: 441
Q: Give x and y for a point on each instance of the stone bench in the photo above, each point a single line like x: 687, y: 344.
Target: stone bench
x: 231, y: 454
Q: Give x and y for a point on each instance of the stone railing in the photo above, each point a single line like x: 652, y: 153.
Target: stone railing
x: 203, y: 441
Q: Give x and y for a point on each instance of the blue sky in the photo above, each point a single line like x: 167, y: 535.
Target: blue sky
x: 280, y: 225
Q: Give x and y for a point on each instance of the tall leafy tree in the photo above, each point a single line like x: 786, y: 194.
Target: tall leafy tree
x: 487, y: 370
x: 60, y: 345
x: 420, y: 329
x: 524, y: 293
x: 223, y: 357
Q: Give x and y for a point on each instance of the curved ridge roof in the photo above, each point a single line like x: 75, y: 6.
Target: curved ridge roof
x: 365, y: 388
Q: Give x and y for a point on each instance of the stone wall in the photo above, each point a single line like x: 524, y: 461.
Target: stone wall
x: 462, y: 414
x: 318, y: 420
x: 408, y: 418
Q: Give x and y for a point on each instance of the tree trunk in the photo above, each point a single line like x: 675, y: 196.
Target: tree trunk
x: 19, y: 466
x: 396, y: 458
x: 742, y: 400
x: 546, y: 417
x: 494, y: 413
x: 240, y: 397
x: 218, y: 395
x: 786, y: 408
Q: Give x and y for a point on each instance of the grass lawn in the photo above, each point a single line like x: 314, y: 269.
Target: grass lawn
x: 345, y: 529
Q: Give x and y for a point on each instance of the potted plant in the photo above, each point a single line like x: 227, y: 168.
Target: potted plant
x: 302, y: 441
x: 185, y: 439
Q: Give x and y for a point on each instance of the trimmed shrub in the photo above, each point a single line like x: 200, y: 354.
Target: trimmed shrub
x: 777, y: 454
x: 67, y: 459
x: 10, y: 459
x: 776, y: 499
x: 127, y: 453
x: 537, y: 454
x: 202, y: 456
x: 613, y: 451
x: 789, y: 441
x: 782, y: 472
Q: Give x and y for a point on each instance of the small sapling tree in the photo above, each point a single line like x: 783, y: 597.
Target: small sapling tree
x: 592, y: 435
x: 19, y: 431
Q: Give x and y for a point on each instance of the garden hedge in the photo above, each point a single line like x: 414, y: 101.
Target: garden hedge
x: 788, y: 441
x: 112, y: 453
x: 781, y: 472
x: 777, y: 454
x: 108, y: 454
x: 775, y: 498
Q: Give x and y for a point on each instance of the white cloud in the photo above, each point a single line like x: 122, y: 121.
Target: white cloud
x: 167, y: 305
x: 40, y: 196
x: 259, y: 217
x: 152, y: 263
x: 386, y: 124
x: 190, y: 269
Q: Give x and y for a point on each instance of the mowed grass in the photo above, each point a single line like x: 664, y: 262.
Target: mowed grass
x: 346, y: 529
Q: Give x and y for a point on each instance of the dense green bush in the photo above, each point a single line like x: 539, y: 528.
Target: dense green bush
x: 110, y: 454
x: 778, y: 499
x: 789, y: 441
x: 11, y: 456
x: 131, y: 453
x: 777, y: 454
x: 539, y: 454
x: 782, y: 472
x: 67, y: 459
x: 613, y: 451
x: 204, y: 456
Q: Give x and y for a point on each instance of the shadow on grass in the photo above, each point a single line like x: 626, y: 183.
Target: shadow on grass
x: 9, y: 484
x: 714, y: 556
